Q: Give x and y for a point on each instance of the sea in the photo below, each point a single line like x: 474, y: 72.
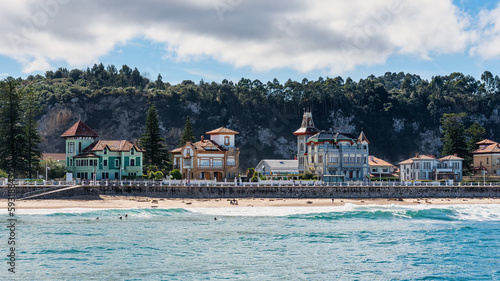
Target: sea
x: 351, y: 242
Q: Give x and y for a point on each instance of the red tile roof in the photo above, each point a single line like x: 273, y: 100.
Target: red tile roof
x: 485, y: 142
x: 55, y: 156
x: 222, y: 131
x: 113, y: 145
x: 492, y: 148
x: 374, y: 161
x: 79, y: 129
x: 451, y: 157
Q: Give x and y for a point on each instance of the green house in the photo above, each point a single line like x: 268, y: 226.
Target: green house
x: 106, y: 159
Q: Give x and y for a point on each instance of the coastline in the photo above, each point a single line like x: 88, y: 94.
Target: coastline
x: 131, y: 202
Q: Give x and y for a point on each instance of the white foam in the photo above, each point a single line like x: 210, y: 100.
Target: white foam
x: 476, y: 212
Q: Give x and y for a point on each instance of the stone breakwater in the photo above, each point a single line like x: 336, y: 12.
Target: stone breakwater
x: 273, y: 191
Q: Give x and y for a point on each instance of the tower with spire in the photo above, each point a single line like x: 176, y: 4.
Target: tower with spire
x: 331, y: 156
x: 306, y: 130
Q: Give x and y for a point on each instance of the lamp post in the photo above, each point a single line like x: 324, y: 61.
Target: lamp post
x: 46, y: 171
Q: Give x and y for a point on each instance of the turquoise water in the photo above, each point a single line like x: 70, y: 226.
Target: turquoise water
x: 460, y: 242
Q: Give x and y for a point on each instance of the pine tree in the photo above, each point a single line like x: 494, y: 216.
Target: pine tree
x: 454, y: 134
x: 475, y: 134
x: 32, y: 152
x: 12, y: 135
x: 151, y: 142
x: 187, y: 134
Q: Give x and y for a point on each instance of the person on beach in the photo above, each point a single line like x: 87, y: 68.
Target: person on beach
x: 126, y: 216
x: 215, y: 218
x: 332, y: 200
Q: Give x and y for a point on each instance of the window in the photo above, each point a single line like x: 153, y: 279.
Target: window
x: 117, y: 163
x: 301, y: 149
x: 227, y: 141
x: 105, y: 162
x: 312, y: 159
x: 374, y: 170
x: 334, y: 159
x: 132, y: 162
x: 132, y: 151
x: 320, y: 159
x: 358, y: 159
x: 301, y: 160
x: 188, y: 151
x: 105, y: 151
x: 71, y: 147
x: 487, y: 161
x: 187, y: 162
x: 364, y: 160
x: 204, y: 162
x: 71, y: 162
x: 231, y: 162
x: 346, y: 159
x: 217, y: 163
x: 352, y: 160
x: 417, y: 165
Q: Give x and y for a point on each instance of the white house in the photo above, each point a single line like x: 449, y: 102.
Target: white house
x: 428, y: 167
x: 275, y: 168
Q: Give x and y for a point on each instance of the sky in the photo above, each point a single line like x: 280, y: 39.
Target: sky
x: 256, y: 39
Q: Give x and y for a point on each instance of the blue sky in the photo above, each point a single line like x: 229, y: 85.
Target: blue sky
x: 230, y: 39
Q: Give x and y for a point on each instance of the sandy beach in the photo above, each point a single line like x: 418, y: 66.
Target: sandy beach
x: 119, y: 202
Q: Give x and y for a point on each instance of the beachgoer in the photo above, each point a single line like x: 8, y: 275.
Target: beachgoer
x: 120, y: 217
x: 332, y: 200
x: 97, y: 218
x: 126, y: 215
x: 215, y: 218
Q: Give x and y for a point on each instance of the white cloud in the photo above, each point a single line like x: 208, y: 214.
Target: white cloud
x: 489, y: 24
x: 301, y: 35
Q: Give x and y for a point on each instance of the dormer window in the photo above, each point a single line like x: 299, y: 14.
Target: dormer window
x: 227, y: 141
x: 132, y: 151
x: 105, y: 151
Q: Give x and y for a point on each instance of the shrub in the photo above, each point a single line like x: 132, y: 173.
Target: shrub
x: 176, y: 174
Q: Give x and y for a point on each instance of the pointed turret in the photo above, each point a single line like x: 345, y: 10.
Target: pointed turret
x: 363, y: 138
x: 307, y: 127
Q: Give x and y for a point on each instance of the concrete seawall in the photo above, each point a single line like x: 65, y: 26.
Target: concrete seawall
x: 275, y: 191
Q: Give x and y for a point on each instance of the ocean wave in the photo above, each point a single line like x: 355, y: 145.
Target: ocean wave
x: 476, y: 212
x: 473, y: 212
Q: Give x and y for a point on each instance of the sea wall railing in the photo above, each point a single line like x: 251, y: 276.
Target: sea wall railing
x: 212, y: 183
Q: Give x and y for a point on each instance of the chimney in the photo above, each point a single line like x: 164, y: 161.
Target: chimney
x: 455, y: 154
x: 416, y: 154
x: 202, y: 138
x: 372, y: 157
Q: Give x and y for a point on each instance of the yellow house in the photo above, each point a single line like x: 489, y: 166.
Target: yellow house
x: 487, y: 157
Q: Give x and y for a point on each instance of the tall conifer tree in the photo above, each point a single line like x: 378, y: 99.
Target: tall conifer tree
x: 187, y: 134
x: 12, y: 135
x: 156, y: 153
x: 32, y: 152
x: 454, y: 134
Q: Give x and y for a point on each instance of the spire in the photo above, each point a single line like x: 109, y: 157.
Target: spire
x: 362, y: 137
x: 307, y: 127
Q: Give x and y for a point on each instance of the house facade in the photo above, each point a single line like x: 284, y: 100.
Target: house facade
x: 217, y: 158
x: 428, y: 167
x: 380, y: 168
x: 87, y: 157
x: 331, y: 156
x: 277, y: 168
x: 487, y: 158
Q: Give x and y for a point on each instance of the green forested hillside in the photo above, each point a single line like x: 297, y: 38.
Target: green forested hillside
x: 398, y: 112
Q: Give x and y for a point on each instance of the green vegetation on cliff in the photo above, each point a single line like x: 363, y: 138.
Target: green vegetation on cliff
x: 399, y: 113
